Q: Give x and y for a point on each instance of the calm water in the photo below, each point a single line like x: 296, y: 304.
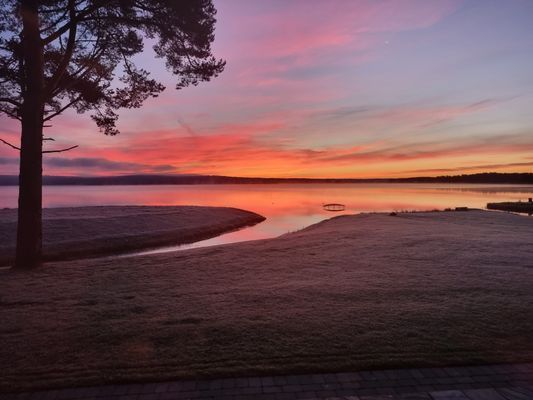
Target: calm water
x: 287, y: 207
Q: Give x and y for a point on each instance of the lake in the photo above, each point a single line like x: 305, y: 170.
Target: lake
x: 287, y: 207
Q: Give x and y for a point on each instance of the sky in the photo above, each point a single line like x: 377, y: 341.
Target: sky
x: 324, y: 89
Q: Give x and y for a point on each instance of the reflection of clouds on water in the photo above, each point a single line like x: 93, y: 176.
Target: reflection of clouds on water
x: 275, y: 227
x: 287, y: 207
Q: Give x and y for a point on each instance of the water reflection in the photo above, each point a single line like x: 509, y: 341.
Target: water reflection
x: 287, y: 207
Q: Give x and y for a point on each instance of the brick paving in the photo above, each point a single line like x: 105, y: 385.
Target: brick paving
x: 488, y: 382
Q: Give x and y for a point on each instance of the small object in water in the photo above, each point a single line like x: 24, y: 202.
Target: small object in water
x: 334, y: 207
x: 393, y: 214
x: 461, y: 208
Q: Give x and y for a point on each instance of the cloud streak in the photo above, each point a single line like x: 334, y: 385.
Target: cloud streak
x: 469, y: 168
x: 102, y: 166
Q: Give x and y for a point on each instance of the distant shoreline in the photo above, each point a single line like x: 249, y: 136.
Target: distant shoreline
x: 482, y: 178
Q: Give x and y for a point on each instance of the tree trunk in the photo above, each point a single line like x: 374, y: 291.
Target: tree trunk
x: 29, y: 231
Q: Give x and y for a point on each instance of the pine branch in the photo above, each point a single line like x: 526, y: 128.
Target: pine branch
x: 10, y: 145
x: 10, y: 101
x: 66, y: 27
x: 49, y: 117
x: 60, y: 150
x: 62, y: 67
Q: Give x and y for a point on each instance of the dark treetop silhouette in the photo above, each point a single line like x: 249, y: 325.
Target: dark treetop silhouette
x: 60, y: 54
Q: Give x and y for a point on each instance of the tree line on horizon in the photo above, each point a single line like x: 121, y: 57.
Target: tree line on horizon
x: 486, y: 177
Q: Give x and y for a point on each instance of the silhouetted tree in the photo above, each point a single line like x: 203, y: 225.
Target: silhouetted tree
x: 56, y: 55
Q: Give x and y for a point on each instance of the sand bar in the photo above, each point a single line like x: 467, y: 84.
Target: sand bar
x: 350, y: 293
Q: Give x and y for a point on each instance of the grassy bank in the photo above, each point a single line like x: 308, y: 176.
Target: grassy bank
x: 82, y: 232
x: 354, y: 292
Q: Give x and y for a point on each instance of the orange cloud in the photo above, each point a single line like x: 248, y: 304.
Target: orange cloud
x: 244, y: 154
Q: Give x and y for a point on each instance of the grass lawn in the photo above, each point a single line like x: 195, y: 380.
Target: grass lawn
x: 354, y: 292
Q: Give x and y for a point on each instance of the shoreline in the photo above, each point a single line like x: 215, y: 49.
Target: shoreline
x: 72, y: 233
x: 155, y: 179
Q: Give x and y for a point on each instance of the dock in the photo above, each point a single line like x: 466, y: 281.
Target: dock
x: 513, y: 206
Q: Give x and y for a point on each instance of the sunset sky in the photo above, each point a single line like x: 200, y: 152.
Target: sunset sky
x: 314, y: 88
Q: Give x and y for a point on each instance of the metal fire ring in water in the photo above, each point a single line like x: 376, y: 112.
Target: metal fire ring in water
x: 334, y: 207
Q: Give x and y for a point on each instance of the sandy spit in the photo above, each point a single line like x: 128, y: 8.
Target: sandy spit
x: 92, y: 231
x: 350, y: 293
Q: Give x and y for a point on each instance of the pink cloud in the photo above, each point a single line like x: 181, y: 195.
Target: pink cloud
x: 426, y: 116
x: 268, y: 46
x: 304, y: 26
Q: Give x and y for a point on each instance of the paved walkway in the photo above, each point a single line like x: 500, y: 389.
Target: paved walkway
x: 489, y: 382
